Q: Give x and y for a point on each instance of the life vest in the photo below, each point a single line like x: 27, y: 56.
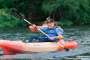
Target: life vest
x: 51, y: 32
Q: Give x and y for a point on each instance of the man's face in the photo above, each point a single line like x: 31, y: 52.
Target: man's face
x: 50, y: 25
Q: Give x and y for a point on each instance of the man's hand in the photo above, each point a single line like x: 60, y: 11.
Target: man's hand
x: 34, y: 25
x: 52, y: 38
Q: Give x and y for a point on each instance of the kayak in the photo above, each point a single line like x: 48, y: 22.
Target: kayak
x: 15, y: 47
x: 34, y: 29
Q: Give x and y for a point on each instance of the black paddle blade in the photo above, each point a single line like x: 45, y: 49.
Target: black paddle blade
x: 16, y: 14
x: 66, y: 49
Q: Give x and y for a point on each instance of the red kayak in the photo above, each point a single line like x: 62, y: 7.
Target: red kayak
x: 14, y: 47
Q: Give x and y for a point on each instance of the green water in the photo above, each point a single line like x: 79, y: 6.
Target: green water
x: 81, y: 34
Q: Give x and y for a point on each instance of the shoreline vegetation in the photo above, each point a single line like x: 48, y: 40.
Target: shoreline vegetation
x: 65, y: 12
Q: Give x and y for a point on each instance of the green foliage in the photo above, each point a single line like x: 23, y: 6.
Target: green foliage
x: 76, y: 11
x: 65, y: 22
x: 9, y: 21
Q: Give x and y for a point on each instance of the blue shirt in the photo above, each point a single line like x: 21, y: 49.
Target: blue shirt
x: 58, y: 30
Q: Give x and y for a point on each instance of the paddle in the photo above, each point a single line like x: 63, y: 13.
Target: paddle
x: 17, y: 15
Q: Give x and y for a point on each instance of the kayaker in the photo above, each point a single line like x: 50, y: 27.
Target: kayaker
x: 53, y: 31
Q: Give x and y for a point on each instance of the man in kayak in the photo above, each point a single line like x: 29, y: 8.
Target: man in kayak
x: 53, y: 31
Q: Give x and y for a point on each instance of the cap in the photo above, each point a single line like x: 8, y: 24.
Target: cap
x: 49, y: 20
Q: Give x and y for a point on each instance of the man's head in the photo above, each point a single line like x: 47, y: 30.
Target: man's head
x: 50, y: 23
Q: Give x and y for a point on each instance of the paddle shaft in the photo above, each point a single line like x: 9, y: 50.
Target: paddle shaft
x: 41, y: 31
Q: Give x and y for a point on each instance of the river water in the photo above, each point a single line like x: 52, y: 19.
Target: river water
x: 81, y: 34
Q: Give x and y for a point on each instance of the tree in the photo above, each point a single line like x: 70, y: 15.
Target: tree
x: 76, y: 11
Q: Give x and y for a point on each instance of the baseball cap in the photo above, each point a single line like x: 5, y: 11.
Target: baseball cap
x: 49, y: 20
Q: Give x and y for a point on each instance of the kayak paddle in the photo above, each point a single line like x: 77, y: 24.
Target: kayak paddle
x: 17, y: 15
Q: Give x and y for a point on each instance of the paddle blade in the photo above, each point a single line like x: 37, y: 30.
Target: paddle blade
x: 66, y: 49
x: 16, y: 14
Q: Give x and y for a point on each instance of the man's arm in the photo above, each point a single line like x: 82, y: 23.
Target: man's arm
x: 57, y: 37
x: 40, y: 27
x: 59, y: 32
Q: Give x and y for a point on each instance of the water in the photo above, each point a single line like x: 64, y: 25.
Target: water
x: 81, y: 34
